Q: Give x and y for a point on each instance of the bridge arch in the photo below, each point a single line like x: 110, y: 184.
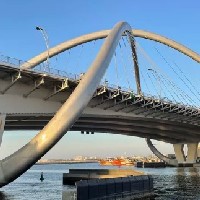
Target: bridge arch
x: 16, y: 164
x: 166, y: 159
x: 103, y: 34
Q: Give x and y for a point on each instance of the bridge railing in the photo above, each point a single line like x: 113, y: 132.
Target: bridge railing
x: 41, y: 68
x: 145, y: 95
x: 13, y: 61
x: 55, y: 72
x: 44, y: 69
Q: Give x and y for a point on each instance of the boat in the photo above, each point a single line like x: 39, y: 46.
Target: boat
x: 105, y: 162
x: 116, y: 162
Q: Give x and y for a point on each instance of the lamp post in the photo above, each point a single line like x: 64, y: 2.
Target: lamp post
x: 158, y: 80
x: 46, y: 39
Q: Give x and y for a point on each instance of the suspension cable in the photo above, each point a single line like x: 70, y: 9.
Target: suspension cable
x: 124, y: 65
x: 145, y: 82
x: 178, y: 76
x: 130, y: 59
x: 155, y: 66
x: 187, y: 79
x: 171, y: 82
x: 116, y: 69
x: 79, y: 56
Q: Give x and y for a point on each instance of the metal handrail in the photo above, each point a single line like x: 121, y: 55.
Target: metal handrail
x: 41, y: 68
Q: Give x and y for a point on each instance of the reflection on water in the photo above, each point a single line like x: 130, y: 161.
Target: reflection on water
x: 178, y: 183
x: 3, y: 196
x: 169, y: 183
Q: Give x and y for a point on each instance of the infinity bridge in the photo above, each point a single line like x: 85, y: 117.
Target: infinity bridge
x: 55, y: 102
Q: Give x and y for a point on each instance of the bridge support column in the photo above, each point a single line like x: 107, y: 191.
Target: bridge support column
x: 198, y: 151
x: 2, y: 124
x: 191, y: 153
x: 180, y: 156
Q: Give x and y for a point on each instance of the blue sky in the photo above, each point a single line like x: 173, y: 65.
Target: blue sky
x: 63, y: 20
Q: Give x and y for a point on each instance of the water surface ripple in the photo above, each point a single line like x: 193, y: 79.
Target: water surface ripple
x: 169, y: 183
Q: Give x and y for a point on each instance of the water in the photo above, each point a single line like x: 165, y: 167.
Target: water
x: 176, y: 183
x: 169, y: 183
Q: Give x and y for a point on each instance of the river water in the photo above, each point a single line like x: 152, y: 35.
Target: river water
x: 169, y: 183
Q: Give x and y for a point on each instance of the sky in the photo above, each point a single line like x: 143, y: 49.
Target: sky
x: 64, y: 20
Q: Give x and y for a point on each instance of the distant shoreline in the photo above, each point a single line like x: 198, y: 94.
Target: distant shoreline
x: 65, y: 162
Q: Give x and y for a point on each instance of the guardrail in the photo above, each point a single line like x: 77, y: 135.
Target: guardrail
x: 42, y: 68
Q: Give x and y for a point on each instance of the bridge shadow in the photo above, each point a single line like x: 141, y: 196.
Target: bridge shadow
x: 3, y: 196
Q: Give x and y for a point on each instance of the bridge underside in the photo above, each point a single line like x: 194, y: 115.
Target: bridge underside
x: 133, y: 126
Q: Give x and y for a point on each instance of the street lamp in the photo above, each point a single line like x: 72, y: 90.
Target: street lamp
x: 158, y: 80
x: 46, y: 39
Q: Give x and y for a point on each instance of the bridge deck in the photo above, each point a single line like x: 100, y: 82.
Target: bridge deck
x: 112, y: 110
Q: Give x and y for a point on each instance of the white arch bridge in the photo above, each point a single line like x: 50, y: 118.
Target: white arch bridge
x: 54, y: 103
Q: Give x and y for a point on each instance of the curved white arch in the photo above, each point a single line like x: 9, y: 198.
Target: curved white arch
x: 102, y: 34
x: 17, y: 163
x: 160, y: 155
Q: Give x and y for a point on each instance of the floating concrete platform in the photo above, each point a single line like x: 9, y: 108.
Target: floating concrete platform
x: 151, y: 164
x: 107, y: 184
x: 154, y: 164
x: 163, y: 164
x: 189, y: 165
x: 75, y: 175
x: 196, y: 165
x: 115, y: 188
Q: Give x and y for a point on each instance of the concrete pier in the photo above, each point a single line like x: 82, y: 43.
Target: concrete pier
x: 75, y: 175
x: 186, y: 161
x: 180, y: 156
x: 107, y: 184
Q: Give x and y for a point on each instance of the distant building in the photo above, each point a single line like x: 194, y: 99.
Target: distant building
x: 79, y: 158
